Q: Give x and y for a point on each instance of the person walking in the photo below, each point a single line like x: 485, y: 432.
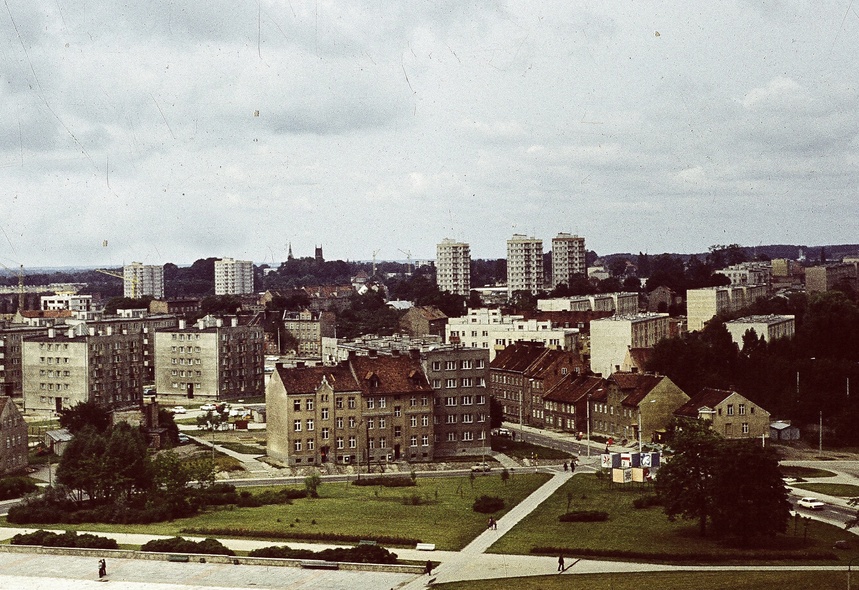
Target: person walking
x: 565, y: 466
x: 428, y: 568
x: 560, y: 562
x: 102, y: 568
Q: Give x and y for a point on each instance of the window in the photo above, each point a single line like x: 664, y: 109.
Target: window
x: 398, y: 431
x: 351, y: 421
x: 741, y: 408
x: 450, y: 383
x: 308, y: 404
x: 397, y: 411
x: 382, y: 422
x: 450, y: 401
x: 466, y: 364
x: 338, y: 403
x: 310, y: 425
x: 481, y: 363
x: 467, y: 435
x: 353, y: 442
x: 424, y: 400
x: 351, y: 403
x: 467, y: 418
x: 481, y: 417
x: 450, y: 366
x: 436, y: 383
x: 413, y: 441
x: 466, y: 400
x: 383, y: 402
x: 481, y: 400
x: 425, y: 440
x: 436, y: 365
x: 325, y: 413
x: 310, y: 444
x: 383, y: 442
x: 451, y: 437
x: 371, y: 403
x: 371, y: 423
x: 413, y: 401
x: 340, y: 442
x: 451, y: 418
x: 296, y: 405
x: 730, y: 409
x: 296, y: 425
x: 339, y: 422
x: 324, y: 434
x: 745, y: 427
x: 372, y: 443
x: 413, y: 421
x: 425, y: 420
x: 297, y: 445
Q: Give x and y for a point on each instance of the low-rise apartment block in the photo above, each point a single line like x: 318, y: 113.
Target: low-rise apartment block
x: 618, y: 303
x: 614, y: 336
x: 748, y: 273
x: 702, y: 305
x: 729, y: 413
x: 819, y: 279
x: 769, y: 327
x: 308, y: 329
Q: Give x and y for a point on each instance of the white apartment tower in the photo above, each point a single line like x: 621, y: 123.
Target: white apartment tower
x: 140, y: 280
x: 568, y: 258
x: 234, y: 277
x: 524, y: 264
x: 453, y: 267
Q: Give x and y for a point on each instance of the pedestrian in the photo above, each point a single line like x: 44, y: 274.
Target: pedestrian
x: 561, y: 562
x: 494, y: 525
x: 573, y: 466
x: 428, y: 567
x: 489, y: 523
x: 102, y: 568
x: 565, y: 466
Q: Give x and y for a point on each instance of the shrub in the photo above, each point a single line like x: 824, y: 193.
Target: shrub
x: 488, y: 504
x: 415, y: 500
x: 180, y: 545
x: 646, y: 502
x: 16, y: 487
x: 397, y: 481
x: 67, y: 539
x: 584, y: 516
x: 300, y: 536
x: 360, y: 554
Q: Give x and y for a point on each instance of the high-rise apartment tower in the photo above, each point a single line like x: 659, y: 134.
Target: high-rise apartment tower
x: 453, y: 267
x: 568, y: 258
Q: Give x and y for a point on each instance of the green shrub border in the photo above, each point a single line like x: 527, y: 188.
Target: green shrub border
x: 300, y: 536
x: 740, y: 556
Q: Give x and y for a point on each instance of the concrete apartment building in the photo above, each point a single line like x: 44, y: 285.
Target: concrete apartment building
x: 729, y: 413
x: 62, y: 369
x: 141, y: 280
x: 81, y: 306
x: 234, y: 277
x: 568, y: 258
x: 453, y: 267
x: 820, y: 279
x: 749, y: 273
x: 366, y: 410
x: 524, y: 264
x: 768, y: 326
x: 618, y: 303
x: 13, y: 456
x: 614, y: 336
x: 702, y: 305
x: 212, y: 359
x: 11, y: 360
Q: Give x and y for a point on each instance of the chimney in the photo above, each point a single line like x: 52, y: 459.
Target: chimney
x: 234, y: 322
x: 110, y: 330
x: 181, y: 324
x: 91, y: 331
x: 219, y: 323
x: 70, y: 333
x: 373, y: 353
x: 52, y: 332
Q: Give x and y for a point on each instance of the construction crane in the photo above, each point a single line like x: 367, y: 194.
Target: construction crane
x: 375, y: 253
x: 20, y: 273
x: 408, y: 254
x: 132, y: 279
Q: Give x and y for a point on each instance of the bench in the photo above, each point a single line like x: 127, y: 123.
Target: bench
x: 317, y: 564
x: 425, y: 546
x: 179, y: 558
x: 366, y: 542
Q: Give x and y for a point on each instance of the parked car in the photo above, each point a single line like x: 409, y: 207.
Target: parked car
x: 810, y: 503
x: 208, y: 408
x: 480, y: 467
x: 179, y: 410
x: 183, y: 439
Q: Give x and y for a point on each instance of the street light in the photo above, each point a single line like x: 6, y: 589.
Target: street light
x: 639, y: 425
x: 589, y: 423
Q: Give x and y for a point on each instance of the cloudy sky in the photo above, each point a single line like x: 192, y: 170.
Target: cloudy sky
x: 171, y: 130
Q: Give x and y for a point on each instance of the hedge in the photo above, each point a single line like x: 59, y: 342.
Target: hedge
x: 180, y: 545
x: 16, y: 487
x: 360, y: 554
x: 299, y: 536
x: 743, y: 556
x: 488, y: 504
x: 395, y: 481
x: 584, y: 516
x: 67, y: 539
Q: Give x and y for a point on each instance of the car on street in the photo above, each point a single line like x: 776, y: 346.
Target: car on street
x: 810, y: 503
x: 183, y: 438
x: 207, y: 408
x: 179, y: 410
x: 480, y: 467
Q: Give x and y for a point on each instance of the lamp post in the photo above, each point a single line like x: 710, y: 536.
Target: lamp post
x: 640, y: 432
x: 589, y: 423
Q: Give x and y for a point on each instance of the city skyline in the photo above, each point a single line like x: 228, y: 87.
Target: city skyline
x: 180, y: 130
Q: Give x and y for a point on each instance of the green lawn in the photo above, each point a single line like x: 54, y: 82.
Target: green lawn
x: 643, y: 531
x: 842, y: 490
x: 526, y: 450
x: 446, y: 520
x: 804, y: 472
x: 746, y: 580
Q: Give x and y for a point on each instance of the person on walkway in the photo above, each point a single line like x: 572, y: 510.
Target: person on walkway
x: 489, y: 524
x: 428, y: 568
x: 566, y: 466
x: 561, y: 562
x: 573, y: 466
x: 494, y: 525
x: 102, y: 568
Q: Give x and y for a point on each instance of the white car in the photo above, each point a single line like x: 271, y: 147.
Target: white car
x: 208, y: 408
x: 810, y: 503
x: 179, y: 410
x: 480, y: 467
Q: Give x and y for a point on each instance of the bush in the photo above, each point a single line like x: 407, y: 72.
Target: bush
x: 180, y: 545
x: 584, y: 516
x: 396, y: 481
x: 300, y: 536
x: 16, y: 487
x: 488, y: 504
x: 67, y: 539
x: 360, y: 554
x: 703, y: 557
x: 646, y: 502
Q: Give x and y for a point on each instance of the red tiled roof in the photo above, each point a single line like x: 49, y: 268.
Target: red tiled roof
x: 573, y: 388
x: 430, y: 312
x: 393, y: 375
x: 635, y: 385
x: 706, y: 398
x: 308, y: 379
x: 517, y: 357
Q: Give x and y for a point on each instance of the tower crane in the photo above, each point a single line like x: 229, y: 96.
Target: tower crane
x: 408, y: 254
x: 20, y: 273
x: 375, y: 253
x: 132, y: 279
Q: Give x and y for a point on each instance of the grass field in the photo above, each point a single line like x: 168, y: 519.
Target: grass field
x: 446, y: 519
x: 804, y: 472
x: 526, y: 450
x: 746, y: 580
x: 841, y: 490
x: 645, y: 531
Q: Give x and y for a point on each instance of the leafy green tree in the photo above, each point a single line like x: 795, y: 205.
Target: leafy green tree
x: 83, y: 414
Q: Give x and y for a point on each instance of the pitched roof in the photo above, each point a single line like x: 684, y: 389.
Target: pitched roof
x: 573, y: 388
x: 308, y: 379
x: 706, y: 398
x: 568, y: 319
x: 517, y: 357
x: 389, y: 374
x: 635, y: 385
x: 431, y: 312
x: 640, y: 356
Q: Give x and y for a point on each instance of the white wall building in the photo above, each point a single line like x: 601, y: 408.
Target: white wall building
x: 702, y: 305
x: 140, y: 280
x: 234, y: 277
x: 619, y: 303
x: 81, y: 306
x: 768, y: 326
x: 524, y: 264
x: 453, y: 267
x: 612, y: 337
x: 568, y: 258
x: 748, y: 273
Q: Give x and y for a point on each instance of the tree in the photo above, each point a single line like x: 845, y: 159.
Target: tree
x: 734, y: 484
x: 83, y: 414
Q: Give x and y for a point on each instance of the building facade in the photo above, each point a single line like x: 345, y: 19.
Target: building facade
x: 308, y: 329
x: 618, y: 303
x: 213, y: 359
x: 62, y: 369
x: 748, y: 273
x: 769, y: 327
x: 612, y: 337
x: 141, y: 280
x: 234, y: 277
x: 819, y: 279
x: 13, y: 456
x: 729, y: 413
x: 702, y: 305
x: 568, y: 258
x: 453, y: 267
x: 11, y: 360
x: 524, y: 264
